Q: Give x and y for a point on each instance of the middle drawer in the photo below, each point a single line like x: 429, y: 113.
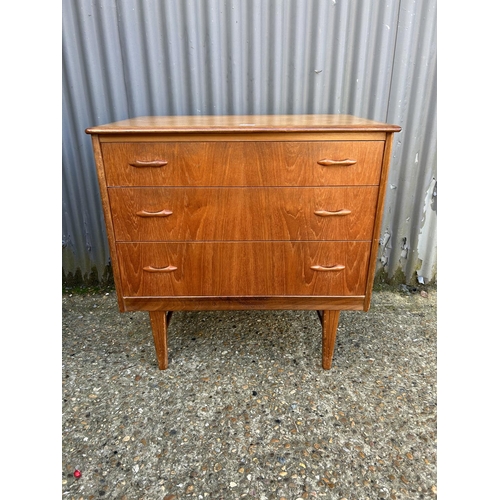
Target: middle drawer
x: 225, y: 214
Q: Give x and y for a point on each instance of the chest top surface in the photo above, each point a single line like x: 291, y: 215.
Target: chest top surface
x: 244, y: 123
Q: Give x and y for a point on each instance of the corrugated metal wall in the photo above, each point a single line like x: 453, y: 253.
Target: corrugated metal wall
x: 375, y: 59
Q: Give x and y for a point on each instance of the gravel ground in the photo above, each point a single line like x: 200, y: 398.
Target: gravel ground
x: 245, y: 409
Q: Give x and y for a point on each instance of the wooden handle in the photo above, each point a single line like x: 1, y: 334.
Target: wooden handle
x: 337, y: 267
x: 151, y: 269
x: 161, y: 213
x: 327, y: 162
x: 153, y: 163
x: 326, y: 213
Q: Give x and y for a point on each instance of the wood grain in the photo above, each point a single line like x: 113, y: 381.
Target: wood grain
x: 243, y: 268
x: 243, y: 213
x: 238, y: 302
x: 243, y: 123
x: 379, y: 213
x: 243, y: 164
x: 159, y: 324
x: 108, y: 218
x: 329, y: 321
x: 243, y: 137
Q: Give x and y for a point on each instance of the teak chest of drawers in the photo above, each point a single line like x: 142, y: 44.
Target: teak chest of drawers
x: 243, y: 212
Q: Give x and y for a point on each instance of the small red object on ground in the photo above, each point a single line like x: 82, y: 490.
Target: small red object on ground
x: 77, y: 474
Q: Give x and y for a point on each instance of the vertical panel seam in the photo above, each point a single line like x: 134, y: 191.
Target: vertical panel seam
x: 125, y: 82
x: 391, y: 79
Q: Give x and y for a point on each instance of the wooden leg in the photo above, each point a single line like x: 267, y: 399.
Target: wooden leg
x: 330, y: 321
x: 159, y: 324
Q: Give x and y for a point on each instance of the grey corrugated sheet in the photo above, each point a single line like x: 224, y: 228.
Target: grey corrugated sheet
x: 409, y: 227
x: 370, y: 58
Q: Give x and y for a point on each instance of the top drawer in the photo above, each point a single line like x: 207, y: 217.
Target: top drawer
x: 242, y: 163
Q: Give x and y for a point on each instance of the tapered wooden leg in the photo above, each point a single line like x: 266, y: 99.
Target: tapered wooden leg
x: 330, y: 322
x: 159, y: 324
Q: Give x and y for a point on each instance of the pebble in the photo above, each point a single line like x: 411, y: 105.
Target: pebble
x: 268, y: 422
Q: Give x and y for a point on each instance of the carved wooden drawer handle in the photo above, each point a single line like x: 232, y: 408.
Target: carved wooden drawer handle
x: 168, y: 269
x: 153, y: 163
x: 161, y: 213
x: 327, y: 213
x: 337, y: 267
x: 327, y: 162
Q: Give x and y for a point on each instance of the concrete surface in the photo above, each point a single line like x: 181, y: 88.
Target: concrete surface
x: 245, y: 409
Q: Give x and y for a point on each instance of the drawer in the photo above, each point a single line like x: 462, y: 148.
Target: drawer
x: 243, y: 268
x: 178, y: 214
x: 243, y: 163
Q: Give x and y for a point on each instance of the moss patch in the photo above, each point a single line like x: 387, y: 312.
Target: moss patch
x: 78, y: 282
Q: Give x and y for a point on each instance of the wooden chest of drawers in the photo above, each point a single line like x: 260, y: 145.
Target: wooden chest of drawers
x: 243, y: 212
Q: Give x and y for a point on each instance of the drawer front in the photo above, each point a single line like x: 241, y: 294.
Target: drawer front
x: 178, y: 214
x: 243, y: 268
x: 241, y: 163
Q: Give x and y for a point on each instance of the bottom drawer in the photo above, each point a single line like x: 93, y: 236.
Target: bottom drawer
x: 243, y: 268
